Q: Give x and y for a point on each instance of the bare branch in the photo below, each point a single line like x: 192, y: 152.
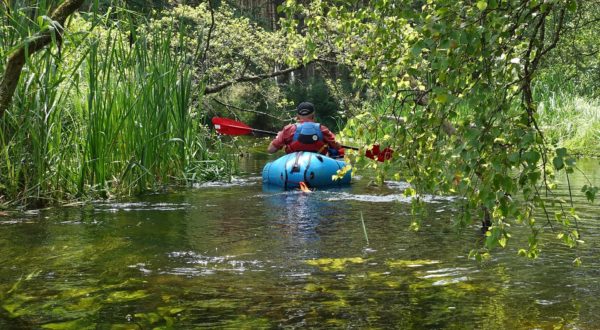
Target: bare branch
x: 221, y: 86
x: 209, y: 36
x: 247, y: 110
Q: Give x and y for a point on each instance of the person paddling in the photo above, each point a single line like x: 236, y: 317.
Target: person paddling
x: 306, y: 135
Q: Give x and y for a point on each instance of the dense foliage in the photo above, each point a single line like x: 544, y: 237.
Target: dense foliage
x: 456, y: 79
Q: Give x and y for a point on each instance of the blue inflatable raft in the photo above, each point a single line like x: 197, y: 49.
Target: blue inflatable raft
x: 314, y: 169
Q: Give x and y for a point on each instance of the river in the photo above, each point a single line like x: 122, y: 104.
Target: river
x: 236, y: 255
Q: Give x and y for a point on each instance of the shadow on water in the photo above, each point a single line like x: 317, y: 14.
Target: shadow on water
x: 236, y: 254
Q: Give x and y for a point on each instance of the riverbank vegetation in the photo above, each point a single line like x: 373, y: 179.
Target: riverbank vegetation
x: 567, y: 89
x: 570, y: 119
x: 488, y: 100
x: 102, y: 114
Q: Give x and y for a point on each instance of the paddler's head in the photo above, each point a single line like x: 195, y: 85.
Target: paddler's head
x: 305, y: 110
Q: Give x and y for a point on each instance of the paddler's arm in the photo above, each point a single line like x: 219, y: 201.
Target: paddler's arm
x: 283, y: 138
x: 272, y: 149
x: 329, y: 138
x: 279, y: 141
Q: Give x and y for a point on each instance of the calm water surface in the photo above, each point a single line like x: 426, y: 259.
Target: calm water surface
x: 237, y: 255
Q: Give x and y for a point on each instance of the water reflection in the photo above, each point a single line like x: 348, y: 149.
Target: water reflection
x: 301, y: 219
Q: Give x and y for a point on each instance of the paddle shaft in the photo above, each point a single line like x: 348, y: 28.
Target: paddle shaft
x: 233, y: 127
x: 275, y: 134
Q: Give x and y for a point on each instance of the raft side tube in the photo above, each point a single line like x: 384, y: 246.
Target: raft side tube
x: 314, y: 169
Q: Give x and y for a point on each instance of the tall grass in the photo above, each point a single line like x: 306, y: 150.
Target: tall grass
x: 108, y: 117
x: 568, y: 118
x: 27, y: 146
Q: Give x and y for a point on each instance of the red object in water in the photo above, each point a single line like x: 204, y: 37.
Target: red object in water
x: 378, y: 154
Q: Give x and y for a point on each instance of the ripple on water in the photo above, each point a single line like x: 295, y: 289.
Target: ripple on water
x: 234, y: 182
x: 209, y: 265
x: 16, y: 221
x: 387, y: 198
x: 544, y: 302
x: 453, y: 269
x: 141, y: 267
x: 446, y: 276
x: 140, y: 206
x: 398, y: 185
x: 450, y: 281
x: 188, y: 272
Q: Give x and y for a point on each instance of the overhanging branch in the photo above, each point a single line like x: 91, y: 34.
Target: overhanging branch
x: 221, y: 86
x: 16, y: 60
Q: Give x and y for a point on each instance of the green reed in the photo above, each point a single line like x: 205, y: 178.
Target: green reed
x: 142, y: 132
x: 30, y: 132
x: 111, y: 116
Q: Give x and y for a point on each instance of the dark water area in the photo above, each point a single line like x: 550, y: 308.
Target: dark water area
x: 237, y: 255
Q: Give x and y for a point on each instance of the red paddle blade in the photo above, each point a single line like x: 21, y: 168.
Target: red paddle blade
x: 228, y: 126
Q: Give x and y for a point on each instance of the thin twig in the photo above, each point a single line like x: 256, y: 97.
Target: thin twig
x: 247, y: 110
x: 364, y: 227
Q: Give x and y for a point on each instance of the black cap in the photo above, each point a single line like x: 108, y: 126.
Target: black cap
x: 305, y: 108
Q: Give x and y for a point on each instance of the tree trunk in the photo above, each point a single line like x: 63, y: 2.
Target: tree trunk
x: 16, y: 60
